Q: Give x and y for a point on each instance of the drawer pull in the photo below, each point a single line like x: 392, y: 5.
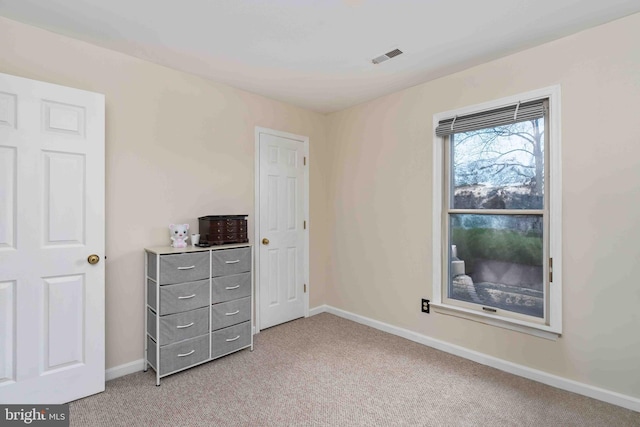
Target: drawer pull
x: 231, y: 314
x: 187, y: 297
x: 187, y: 354
x: 230, y: 288
x: 184, y: 326
x: 233, y: 339
x: 232, y: 262
x: 186, y: 268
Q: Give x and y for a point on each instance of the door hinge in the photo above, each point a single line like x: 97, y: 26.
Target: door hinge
x: 550, y: 270
x: 304, y: 224
x: 305, y: 161
x: 305, y: 288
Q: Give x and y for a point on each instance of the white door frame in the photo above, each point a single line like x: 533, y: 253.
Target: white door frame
x: 256, y: 218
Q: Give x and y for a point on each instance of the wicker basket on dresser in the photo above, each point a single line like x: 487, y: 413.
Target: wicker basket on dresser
x: 199, y: 305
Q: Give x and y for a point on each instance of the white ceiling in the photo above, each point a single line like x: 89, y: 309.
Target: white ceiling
x: 317, y: 53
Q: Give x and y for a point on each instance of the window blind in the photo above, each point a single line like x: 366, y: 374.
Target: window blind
x: 520, y: 112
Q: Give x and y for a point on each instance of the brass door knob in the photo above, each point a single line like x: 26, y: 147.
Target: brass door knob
x: 93, y: 259
x: 265, y: 241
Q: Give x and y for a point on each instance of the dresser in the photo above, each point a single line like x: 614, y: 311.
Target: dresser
x: 199, y: 305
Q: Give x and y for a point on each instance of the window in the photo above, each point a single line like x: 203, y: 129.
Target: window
x: 497, y: 213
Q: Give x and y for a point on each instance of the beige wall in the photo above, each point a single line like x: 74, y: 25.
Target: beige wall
x: 177, y: 147
x: 381, y: 218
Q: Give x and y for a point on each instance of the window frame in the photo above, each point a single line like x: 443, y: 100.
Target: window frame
x: 551, y: 328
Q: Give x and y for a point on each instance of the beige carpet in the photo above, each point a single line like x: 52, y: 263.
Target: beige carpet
x: 328, y: 371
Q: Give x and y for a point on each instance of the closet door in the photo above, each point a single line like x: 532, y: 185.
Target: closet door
x: 282, y: 229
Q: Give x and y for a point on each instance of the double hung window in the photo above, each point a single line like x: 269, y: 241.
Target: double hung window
x: 497, y: 235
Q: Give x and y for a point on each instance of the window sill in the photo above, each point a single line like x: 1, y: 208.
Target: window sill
x: 541, y: 331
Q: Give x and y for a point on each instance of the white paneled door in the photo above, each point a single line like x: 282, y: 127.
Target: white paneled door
x: 281, y: 228
x: 51, y: 223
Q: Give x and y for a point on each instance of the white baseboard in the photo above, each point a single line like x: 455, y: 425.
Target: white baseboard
x: 126, y: 369
x: 608, y: 396
x: 317, y: 310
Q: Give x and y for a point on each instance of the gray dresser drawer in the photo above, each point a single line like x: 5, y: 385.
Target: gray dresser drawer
x: 178, y: 298
x: 229, y: 339
x: 179, y: 355
x: 230, y: 313
x: 230, y: 261
x: 180, y: 326
x: 226, y: 288
x: 187, y: 267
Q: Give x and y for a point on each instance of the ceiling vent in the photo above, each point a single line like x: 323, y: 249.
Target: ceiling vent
x: 386, y: 56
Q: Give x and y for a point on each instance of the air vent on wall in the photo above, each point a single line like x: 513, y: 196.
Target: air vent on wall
x: 386, y: 56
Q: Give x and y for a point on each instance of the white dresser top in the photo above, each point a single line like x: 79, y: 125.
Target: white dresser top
x: 165, y: 250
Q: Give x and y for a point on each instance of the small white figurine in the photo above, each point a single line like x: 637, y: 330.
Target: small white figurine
x: 179, y: 235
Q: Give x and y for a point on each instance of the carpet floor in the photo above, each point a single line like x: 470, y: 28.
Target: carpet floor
x: 328, y: 371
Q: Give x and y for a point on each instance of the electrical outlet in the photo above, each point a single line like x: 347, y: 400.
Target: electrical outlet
x: 425, y: 305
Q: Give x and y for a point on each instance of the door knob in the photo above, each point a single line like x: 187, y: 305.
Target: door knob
x: 265, y: 241
x: 93, y: 259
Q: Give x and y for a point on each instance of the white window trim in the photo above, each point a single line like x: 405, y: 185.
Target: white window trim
x: 554, y: 328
